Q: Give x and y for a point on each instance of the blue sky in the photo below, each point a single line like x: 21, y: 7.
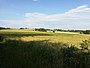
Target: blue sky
x: 64, y: 14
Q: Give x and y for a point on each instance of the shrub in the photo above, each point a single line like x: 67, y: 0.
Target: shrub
x: 85, y: 44
x: 42, y: 54
x: 1, y: 38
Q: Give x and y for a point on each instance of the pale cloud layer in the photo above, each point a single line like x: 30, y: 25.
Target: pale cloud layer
x: 77, y: 18
x: 80, y: 13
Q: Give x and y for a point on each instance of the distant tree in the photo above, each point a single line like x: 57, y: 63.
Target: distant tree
x: 58, y: 29
x: 53, y: 31
x: 41, y: 29
x: 21, y: 28
x: 2, y: 28
x: 86, y: 32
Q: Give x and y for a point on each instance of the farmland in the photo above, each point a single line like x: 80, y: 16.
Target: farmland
x: 72, y: 38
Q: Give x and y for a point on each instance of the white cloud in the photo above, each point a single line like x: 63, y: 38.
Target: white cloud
x: 80, y: 12
x: 77, y: 18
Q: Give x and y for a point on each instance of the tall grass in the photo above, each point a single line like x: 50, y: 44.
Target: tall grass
x: 42, y: 54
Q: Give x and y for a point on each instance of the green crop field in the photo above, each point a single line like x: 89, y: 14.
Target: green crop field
x: 31, y: 35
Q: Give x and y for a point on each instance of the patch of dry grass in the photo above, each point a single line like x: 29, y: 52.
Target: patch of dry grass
x: 66, y: 37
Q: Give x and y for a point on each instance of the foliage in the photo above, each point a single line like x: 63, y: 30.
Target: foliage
x: 42, y: 54
x: 86, y: 32
x: 85, y: 44
x: 1, y: 38
x: 4, y: 28
x: 41, y: 29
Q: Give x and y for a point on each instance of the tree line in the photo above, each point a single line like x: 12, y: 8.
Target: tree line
x: 53, y: 30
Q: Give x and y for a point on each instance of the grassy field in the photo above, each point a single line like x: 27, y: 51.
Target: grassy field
x: 30, y: 35
x: 28, y: 49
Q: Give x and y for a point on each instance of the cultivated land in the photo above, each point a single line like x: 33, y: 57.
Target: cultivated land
x: 31, y: 35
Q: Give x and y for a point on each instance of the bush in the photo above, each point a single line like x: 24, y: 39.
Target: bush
x: 85, y: 44
x: 42, y: 54
x: 1, y: 38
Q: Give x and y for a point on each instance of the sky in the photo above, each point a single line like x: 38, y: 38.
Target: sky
x: 53, y: 14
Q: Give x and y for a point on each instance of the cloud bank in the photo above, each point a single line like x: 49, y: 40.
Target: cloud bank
x: 77, y: 18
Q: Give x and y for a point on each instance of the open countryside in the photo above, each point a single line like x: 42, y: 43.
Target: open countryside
x: 44, y: 33
x: 72, y: 38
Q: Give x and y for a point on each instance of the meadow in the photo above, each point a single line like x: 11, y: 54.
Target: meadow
x: 26, y: 48
x: 72, y: 38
